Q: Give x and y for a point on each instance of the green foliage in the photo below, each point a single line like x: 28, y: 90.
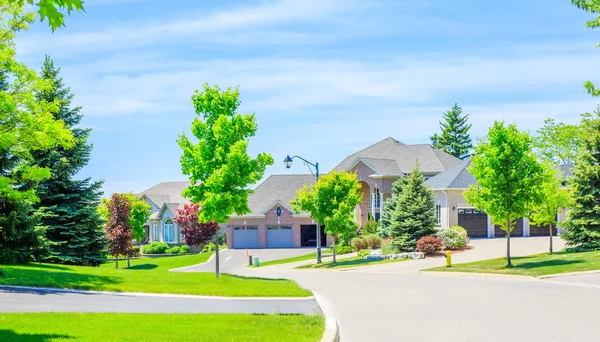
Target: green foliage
x: 53, y: 9
x: 155, y: 248
x: 21, y: 239
x: 364, y: 252
x: 455, y: 139
x: 454, y: 237
x: 359, y: 243
x: 174, y: 250
x: 414, y: 212
x: 372, y: 241
x: 583, y: 221
x: 135, y: 251
x: 557, y: 142
x: 139, y: 215
x: 387, y: 247
x: 210, y: 247
x: 370, y: 226
x: 387, y: 217
x: 67, y: 206
x: 508, y: 175
x: 219, y: 166
x: 344, y: 249
x: 592, y: 7
x: 185, y: 249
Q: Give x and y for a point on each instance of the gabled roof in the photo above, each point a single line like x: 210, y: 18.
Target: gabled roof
x: 431, y: 160
x: 382, y: 167
x: 457, y: 177
x: 276, y: 188
x: 167, y: 192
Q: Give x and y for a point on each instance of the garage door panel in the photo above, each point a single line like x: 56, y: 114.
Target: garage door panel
x: 540, y: 231
x: 517, y: 231
x: 245, y: 237
x: 280, y: 237
x: 473, y: 221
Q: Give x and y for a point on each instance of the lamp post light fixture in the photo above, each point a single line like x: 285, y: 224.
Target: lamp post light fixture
x: 288, y: 163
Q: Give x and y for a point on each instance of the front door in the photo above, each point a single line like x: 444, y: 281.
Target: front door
x: 308, y: 235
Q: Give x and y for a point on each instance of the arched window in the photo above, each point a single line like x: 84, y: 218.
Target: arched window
x: 168, y: 233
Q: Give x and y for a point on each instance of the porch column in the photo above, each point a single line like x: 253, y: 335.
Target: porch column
x: 380, y: 204
x: 525, y: 226
x: 490, y: 227
x: 373, y: 205
x: 558, y: 219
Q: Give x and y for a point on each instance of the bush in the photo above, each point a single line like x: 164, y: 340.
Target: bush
x: 429, y: 244
x: 454, y: 237
x: 155, y: 248
x: 372, y: 241
x: 359, y: 243
x: 344, y: 249
x: 370, y: 226
x: 387, y: 247
x: 363, y: 253
x: 185, y: 249
x: 134, y: 252
x: 209, y: 247
x: 174, y: 250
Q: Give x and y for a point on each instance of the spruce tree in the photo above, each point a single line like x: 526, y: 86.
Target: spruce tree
x: 414, y: 214
x: 389, y: 208
x: 583, y: 223
x: 68, y: 207
x: 455, y: 139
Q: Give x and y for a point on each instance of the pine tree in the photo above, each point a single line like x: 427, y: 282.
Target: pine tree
x: 389, y: 208
x: 583, y: 223
x: 68, y: 207
x: 455, y: 139
x: 414, y: 214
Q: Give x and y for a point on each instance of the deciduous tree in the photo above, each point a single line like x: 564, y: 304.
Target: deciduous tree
x: 455, y: 138
x: 53, y: 10
x: 194, y: 233
x: 557, y: 142
x: 331, y: 202
x: 509, y: 177
x: 118, y: 227
x: 219, y: 166
x: 592, y: 7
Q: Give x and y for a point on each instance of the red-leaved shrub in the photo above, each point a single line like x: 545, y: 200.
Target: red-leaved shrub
x: 429, y: 244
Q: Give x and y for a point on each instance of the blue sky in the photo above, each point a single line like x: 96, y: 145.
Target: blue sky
x: 324, y: 77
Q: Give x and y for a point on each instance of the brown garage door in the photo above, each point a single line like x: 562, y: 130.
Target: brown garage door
x: 517, y: 231
x: 473, y: 221
x: 540, y: 231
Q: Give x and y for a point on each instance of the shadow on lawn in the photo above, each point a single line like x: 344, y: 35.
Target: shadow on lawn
x: 56, y: 279
x: 548, y: 263
x: 341, y: 263
x: 257, y: 278
x: 45, y: 266
x: 9, y: 335
x: 142, y: 267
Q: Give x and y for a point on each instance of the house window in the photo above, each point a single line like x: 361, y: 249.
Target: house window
x: 376, y: 200
x: 438, y: 213
x: 245, y: 228
x: 279, y: 227
x: 155, y: 231
x: 168, y: 231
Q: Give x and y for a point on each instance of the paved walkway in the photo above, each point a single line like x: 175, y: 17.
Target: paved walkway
x: 48, y: 300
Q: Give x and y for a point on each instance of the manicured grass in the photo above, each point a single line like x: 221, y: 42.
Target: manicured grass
x: 35, y: 327
x: 350, y: 262
x: 149, y: 275
x: 309, y: 256
x: 533, y: 265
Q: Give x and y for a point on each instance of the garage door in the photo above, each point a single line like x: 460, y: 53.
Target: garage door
x: 279, y: 237
x: 540, y: 231
x: 474, y: 222
x: 517, y: 231
x: 245, y: 237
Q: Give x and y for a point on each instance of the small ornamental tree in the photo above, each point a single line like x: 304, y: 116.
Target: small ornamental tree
x: 218, y: 164
x: 118, y: 227
x: 509, y: 177
x: 583, y: 220
x: 139, y: 215
x: 414, y: 215
x: 455, y: 138
x: 331, y: 202
x: 194, y: 233
x: 553, y: 199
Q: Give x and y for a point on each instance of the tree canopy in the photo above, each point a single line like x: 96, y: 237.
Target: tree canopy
x: 53, y: 10
x: 592, y: 7
x: 455, y: 138
x: 557, y: 142
x: 194, y: 233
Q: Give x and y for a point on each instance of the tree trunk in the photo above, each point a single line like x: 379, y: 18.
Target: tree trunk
x: 508, y: 262
x: 550, y: 238
x: 117, y: 261
x: 129, y: 259
x: 333, y: 240
x: 217, y: 255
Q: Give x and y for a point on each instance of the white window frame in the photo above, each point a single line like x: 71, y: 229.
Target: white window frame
x: 376, y: 199
x: 168, y: 231
x: 438, y: 213
x: 155, y: 236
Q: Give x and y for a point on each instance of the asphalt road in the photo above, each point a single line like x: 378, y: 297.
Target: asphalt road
x: 38, y: 300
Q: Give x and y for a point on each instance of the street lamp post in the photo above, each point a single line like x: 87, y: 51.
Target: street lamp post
x: 288, y: 163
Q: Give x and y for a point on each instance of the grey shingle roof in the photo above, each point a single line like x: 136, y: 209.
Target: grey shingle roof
x: 430, y: 159
x: 457, y: 177
x: 384, y: 167
x: 167, y: 192
x: 277, y: 188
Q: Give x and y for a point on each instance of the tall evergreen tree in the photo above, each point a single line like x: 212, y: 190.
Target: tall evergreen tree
x: 389, y: 208
x: 455, y: 138
x: 68, y: 207
x: 583, y: 222
x: 414, y: 214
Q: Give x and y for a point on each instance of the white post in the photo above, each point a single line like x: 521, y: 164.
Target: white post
x: 373, y: 205
x: 490, y: 227
x: 525, y: 227
x: 380, y: 203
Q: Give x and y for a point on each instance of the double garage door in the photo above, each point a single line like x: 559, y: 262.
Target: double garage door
x: 475, y: 223
x: 277, y: 237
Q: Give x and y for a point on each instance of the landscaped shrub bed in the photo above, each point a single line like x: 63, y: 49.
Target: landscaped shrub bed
x: 454, y: 237
x: 429, y: 244
x: 163, y: 248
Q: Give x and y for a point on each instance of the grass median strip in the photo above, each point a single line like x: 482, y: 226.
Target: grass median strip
x: 348, y: 263
x: 533, y: 265
x: 159, y: 327
x: 150, y: 276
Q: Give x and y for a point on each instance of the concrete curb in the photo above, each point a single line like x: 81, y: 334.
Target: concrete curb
x: 477, y: 275
x: 332, y: 331
x: 141, y: 294
x: 206, y: 262
x: 570, y: 274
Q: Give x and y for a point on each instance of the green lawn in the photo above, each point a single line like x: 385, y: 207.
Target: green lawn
x: 309, y: 256
x: 533, y: 265
x: 149, y: 275
x: 350, y: 262
x: 37, y: 327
